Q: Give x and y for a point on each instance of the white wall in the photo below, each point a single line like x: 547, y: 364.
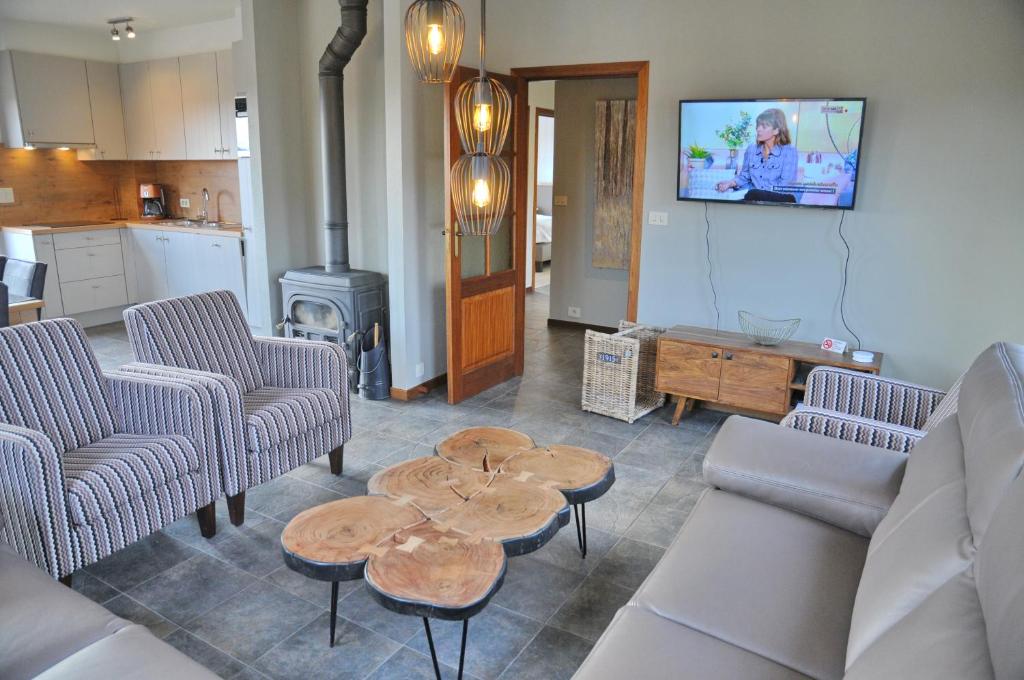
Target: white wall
x: 599, y: 293
x: 937, y: 236
x: 64, y: 41
x: 173, y: 42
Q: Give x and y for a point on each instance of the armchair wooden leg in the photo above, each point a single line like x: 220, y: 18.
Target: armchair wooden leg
x: 337, y: 457
x: 66, y: 580
x: 236, y: 508
x: 207, y: 516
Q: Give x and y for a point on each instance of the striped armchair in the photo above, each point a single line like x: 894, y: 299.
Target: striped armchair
x: 869, y: 409
x: 92, y: 462
x: 278, y: 403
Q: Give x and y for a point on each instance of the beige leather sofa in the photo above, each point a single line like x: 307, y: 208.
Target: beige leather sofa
x: 49, y: 631
x: 815, y: 557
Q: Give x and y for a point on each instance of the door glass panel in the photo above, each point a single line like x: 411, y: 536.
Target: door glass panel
x: 501, y: 247
x: 473, y: 256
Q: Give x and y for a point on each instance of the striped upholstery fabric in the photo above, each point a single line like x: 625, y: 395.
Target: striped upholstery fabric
x: 852, y: 428
x: 274, y: 414
x: 277, y: 405
x: 91, y: 463
x: 868, y: 396
x: 946, y: 408
x: 113, y: 474
x: 52, y: 384
x: 205, y: 332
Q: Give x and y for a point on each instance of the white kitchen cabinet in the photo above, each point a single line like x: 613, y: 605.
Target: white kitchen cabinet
x: 200, y: 99
x: 168, y: 118
x: 150, y: 264
x: 138, y: 111
x: 93, y: 294
x: 45, y: 100
x: 228, y: 91
x: 180, y: 254
x: 78, y: 264
x: 107, y: 113
x: 219, y: 265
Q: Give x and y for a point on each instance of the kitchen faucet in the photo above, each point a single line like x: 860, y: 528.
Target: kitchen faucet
x: 204, y: 216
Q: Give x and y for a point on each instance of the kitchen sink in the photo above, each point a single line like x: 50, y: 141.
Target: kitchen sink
x: 198, y: 224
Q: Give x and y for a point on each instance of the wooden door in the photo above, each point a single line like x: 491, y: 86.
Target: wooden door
x: 200, y: 103
x: 168, y: 118
x: 689, y: 370
x: 484, y: 275
x: 137, y: 103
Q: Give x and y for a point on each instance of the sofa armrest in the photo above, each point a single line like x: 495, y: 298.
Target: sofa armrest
x: 33, y: 503
x: 871, y: 396
x: 163, y: 405
x: 853, y: 428
x: 228, y: 417
x: 298, y: 363
x: 845, y: 484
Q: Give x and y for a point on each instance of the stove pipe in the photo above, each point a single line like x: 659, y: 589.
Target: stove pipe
x: 332, y: 130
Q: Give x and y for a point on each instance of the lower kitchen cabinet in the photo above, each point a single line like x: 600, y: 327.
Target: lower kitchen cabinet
x: 173, y: 263
x: 219, y: 265
x: 150, y: 265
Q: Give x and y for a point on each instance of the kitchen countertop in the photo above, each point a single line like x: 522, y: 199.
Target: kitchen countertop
x: 228, y: 229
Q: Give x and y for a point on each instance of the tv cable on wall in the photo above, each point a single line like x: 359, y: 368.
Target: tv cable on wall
x: 846, y: 276
x: 711, y: 280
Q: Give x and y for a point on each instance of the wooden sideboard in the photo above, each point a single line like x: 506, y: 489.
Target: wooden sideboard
x: 728, y: 370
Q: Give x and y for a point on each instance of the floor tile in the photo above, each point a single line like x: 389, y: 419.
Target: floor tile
x: 628, y: 563
x: 253, y: 621
x: 311, y: 590
x: 285, y: 497
x: 360, y: 607
x: 255, y: 549
x: 679, y: 438
x: 602, y: 443
x: 188, y: 589
x: 405, y: 664
x: 552, y: 655
x: 496, y: 636
x: 563, y: 550
x: 187, y: 531
x: 130, y: 609
x: 633, y: 489
x: 657, y: 525
x: 141, y: 561
x: 591, y: 608
x: 214, y: 659
x: 93, y: 588
x: 369, y: 447
x: 536, y: 588
x: 357, y: 652
x: 654, y: 458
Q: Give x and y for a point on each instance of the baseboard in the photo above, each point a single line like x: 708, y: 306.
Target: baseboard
x: 561, y: 323
x: 419, y: 390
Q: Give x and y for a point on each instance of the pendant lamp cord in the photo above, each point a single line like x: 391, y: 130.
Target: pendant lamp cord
x: 483, y: 36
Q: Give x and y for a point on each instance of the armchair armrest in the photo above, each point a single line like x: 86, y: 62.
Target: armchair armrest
x: 870, y: 396
x: 845, y: 484
x: 33, y: 503
x: 295, y: 362
x: 228, y: 417
x: 853, y: 428
x: 164, y: 405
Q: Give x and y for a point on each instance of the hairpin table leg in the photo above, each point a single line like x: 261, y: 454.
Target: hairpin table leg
x: 581, y: 527
x: 334, y: 609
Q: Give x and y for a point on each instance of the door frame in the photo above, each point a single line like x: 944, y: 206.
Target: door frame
x: 541, y: 112
x: 623, y: 69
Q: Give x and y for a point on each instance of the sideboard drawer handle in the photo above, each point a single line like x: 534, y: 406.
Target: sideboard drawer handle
x: 714, y: 355
x: 728, y: 356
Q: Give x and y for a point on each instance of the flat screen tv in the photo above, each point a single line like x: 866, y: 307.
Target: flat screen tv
x: 789, y: 152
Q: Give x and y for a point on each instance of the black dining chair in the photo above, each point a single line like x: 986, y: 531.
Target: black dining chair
x: 25, y: 280
x: 5, y: 313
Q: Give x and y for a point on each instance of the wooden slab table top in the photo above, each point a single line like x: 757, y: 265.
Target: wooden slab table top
x: 433, y: 536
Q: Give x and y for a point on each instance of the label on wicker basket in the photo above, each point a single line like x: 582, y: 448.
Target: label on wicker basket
x: 609, y: 358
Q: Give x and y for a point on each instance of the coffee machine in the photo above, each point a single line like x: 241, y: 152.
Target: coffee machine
x: 154, y: 206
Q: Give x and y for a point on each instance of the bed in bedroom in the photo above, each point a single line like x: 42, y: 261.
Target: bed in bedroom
x: 542, y: 241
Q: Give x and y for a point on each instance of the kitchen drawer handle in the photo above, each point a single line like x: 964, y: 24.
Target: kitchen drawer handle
x: 91, y: 254
x: 215, y: 245
x: 728, y: 356
x: 714, y: 355
x: 96, y: 287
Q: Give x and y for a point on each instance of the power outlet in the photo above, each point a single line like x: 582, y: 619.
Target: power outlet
x: 659, y: 219
x: 6, y: 195
x: 575, y: 313
x: 419, y: 370
x: 184, y: 203
x: 561, y: 201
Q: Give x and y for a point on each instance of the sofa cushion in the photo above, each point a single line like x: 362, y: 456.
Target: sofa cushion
x: 131, y: 652
x: 922, y: 543
x: 42, y: 621
x: 275, y: 414
x: 205, y: 332
x: 111, y: 474
x: 640, y: 644
x: 776, y: 583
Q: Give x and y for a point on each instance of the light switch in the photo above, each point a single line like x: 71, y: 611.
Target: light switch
x: 658, y: 219
x: 184, y: 203
x: 6, y: 195
x: 561, y: 201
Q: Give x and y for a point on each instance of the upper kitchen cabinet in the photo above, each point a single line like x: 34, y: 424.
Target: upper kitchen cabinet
x: 107, y: 115
x: 200, y: 99
x: 228, y: 91
x: 45, y: 100
x: 153, y: 115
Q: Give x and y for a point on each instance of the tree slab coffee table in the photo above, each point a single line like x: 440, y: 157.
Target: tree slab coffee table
x: 432, y: 537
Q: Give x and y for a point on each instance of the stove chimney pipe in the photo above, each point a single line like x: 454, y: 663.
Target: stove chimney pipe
x: 332, y: 130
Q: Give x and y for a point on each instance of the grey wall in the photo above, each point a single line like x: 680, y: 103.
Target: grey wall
x: 599, y: 293
x: 937, y: 236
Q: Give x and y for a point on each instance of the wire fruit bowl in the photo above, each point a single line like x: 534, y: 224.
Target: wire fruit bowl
x: 768, y: 332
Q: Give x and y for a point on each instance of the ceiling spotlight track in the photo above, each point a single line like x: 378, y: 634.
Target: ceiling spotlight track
x: 129, y: 31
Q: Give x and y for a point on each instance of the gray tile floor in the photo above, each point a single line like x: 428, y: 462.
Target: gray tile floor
x: 231, y: 604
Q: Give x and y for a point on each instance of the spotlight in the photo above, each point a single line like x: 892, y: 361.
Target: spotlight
x: 114, y: 35
x: 130, y: 32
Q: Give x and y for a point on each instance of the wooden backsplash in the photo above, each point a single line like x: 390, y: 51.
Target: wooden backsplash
x: 52, y: 186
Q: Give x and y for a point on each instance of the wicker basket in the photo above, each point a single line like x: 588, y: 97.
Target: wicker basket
x: 618, y: 372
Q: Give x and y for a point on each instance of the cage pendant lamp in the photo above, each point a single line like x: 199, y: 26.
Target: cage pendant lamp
x: 481, y: 180
x: 434, y: 32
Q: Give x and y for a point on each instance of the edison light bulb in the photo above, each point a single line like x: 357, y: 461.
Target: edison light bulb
x: 435, y: 39
x: 482, y: 117
x: 481, y: 193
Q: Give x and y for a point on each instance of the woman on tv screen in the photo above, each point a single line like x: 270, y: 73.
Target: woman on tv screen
x: 769, y: 163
